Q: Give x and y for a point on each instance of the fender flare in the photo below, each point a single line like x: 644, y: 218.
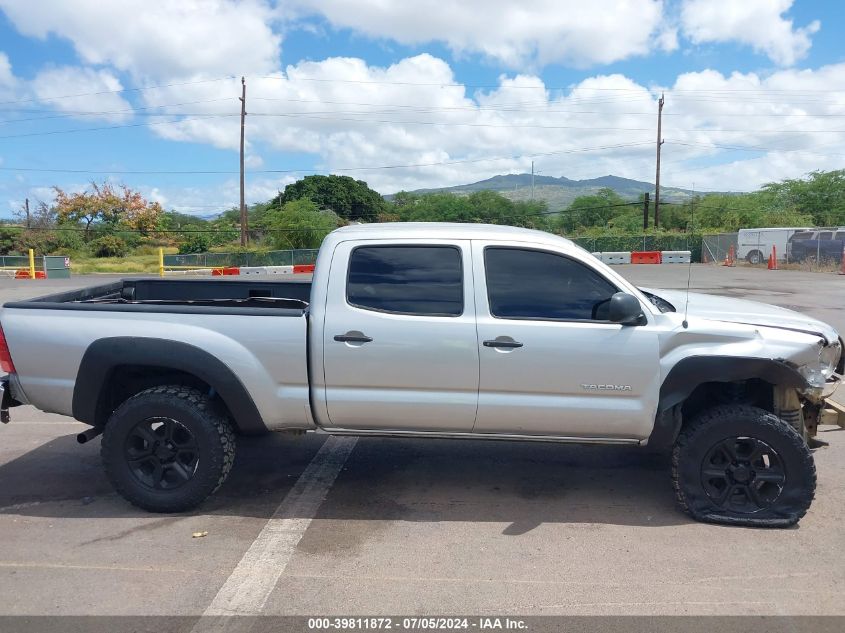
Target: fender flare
x: 693, y: 371
x: 107, y: 354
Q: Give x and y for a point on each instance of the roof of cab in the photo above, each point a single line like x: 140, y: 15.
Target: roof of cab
x: 447, y: 230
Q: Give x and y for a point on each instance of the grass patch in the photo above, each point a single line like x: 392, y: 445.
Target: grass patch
x: 136, y: 263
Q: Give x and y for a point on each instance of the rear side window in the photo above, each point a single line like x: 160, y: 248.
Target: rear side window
x: 801, y: 235
x: 420, y: 280
x: 840, y: 235
x: 526, y: 284
x: 826, y: 235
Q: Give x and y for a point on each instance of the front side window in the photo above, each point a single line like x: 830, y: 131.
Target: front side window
x: 826, y: 235
x: 526, y: 284
x: 418, y: 280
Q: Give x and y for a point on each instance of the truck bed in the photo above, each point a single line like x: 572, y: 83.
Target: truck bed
x: 190, y: 324
x: 204, y: 296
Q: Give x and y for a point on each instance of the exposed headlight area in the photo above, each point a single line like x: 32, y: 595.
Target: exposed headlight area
x: 829, y: 358
x: 817, y: 373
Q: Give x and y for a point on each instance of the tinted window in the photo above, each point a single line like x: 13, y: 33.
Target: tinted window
x: 424, y: 280
x: 840, y: 235
x: 801, y: 235
x: 826, y: 235
x: 534, y: 284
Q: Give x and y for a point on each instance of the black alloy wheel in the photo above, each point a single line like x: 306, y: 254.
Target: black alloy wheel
x: 742, y: 474
x: 162, y: 453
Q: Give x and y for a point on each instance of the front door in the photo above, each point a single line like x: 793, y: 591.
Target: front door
x: 400, y: 346
x: 551, y: 362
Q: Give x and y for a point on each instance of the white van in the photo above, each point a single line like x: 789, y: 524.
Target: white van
x: 755, y: 245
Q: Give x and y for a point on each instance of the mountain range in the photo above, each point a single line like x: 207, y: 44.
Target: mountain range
x: 560, y: 192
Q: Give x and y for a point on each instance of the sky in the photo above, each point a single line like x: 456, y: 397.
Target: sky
x: 410, y: 94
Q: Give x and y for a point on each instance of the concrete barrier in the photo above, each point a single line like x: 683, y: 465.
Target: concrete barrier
x: 616, y: 257
x: 253, y: 270
x: 676, y: 257
x: 278, y: 270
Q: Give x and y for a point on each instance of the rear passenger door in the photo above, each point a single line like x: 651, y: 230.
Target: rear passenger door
x: 400, y: 346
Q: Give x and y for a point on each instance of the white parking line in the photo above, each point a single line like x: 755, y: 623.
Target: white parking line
x: 247, y: 589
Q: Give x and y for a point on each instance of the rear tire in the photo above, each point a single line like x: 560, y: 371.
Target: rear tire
x: 167, y: 449
x: 741, y: 465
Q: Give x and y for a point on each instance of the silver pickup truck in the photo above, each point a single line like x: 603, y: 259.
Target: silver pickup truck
x: 433, y: 330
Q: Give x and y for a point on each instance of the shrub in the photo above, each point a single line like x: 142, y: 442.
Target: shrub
x: 195, y: 243
x: 109, y: 246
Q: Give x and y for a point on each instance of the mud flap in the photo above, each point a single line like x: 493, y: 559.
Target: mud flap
x: 6, y: 401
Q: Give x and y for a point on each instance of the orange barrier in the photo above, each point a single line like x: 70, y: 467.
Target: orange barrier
x: 646, y: 257
x: 303, y: 268
x: 225, y: 271
x: 23, y: 273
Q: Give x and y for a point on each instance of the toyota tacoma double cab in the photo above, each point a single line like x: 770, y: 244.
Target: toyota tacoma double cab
x: 433, y: 330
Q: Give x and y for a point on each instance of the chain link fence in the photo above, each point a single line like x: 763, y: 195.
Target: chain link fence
x: 624, y: 243
x: 258, y: 258
x: 716, y: 248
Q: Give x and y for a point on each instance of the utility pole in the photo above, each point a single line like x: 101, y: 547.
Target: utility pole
x: 26, y: 206
x: 645, y: 211
x: 532, y: 179
x: 244, y: 219
x: 657, y: 175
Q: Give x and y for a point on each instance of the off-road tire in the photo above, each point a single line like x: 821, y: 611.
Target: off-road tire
x: 698, y: 438
x: 192, y: 410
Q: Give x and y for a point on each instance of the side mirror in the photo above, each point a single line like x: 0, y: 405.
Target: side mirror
x: 625, y: 309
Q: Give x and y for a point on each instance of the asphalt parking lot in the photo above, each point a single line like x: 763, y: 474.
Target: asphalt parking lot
x: 420, y: 526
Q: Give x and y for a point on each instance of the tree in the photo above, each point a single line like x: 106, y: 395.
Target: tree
x: 349, y: 198
x: 592, y: 210
x: 298, y: 224
x: 104, y: 206
x: 487, y: 207
x: 820, y: 195
x: 41, y: 216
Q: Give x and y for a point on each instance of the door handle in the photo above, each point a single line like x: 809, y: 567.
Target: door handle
x: 498, y: 343
x: 351, y: 337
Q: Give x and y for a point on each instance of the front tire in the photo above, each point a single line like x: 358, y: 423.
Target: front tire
x: 167, y: 448
x: 741, y: 465
x: 754, y: 257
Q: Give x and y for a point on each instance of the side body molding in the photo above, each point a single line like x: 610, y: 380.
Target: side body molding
x: 106, y: 355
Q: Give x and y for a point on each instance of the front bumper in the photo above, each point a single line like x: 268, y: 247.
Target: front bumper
x: 833, y: 404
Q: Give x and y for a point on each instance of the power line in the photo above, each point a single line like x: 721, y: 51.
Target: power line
x: 334, y: 169
x: 115, y: 127
x: 104, y: 92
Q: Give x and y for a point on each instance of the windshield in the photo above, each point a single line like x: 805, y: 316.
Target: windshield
x: 660, y: 303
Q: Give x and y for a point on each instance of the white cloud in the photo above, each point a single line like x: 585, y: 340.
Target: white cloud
x: 165, y: 39
x: 6, y: 77
x: 414, y: 113
x: 516, y: 34
x: 97, y: 90
x: 758, y: 23
x: 8, y: 81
